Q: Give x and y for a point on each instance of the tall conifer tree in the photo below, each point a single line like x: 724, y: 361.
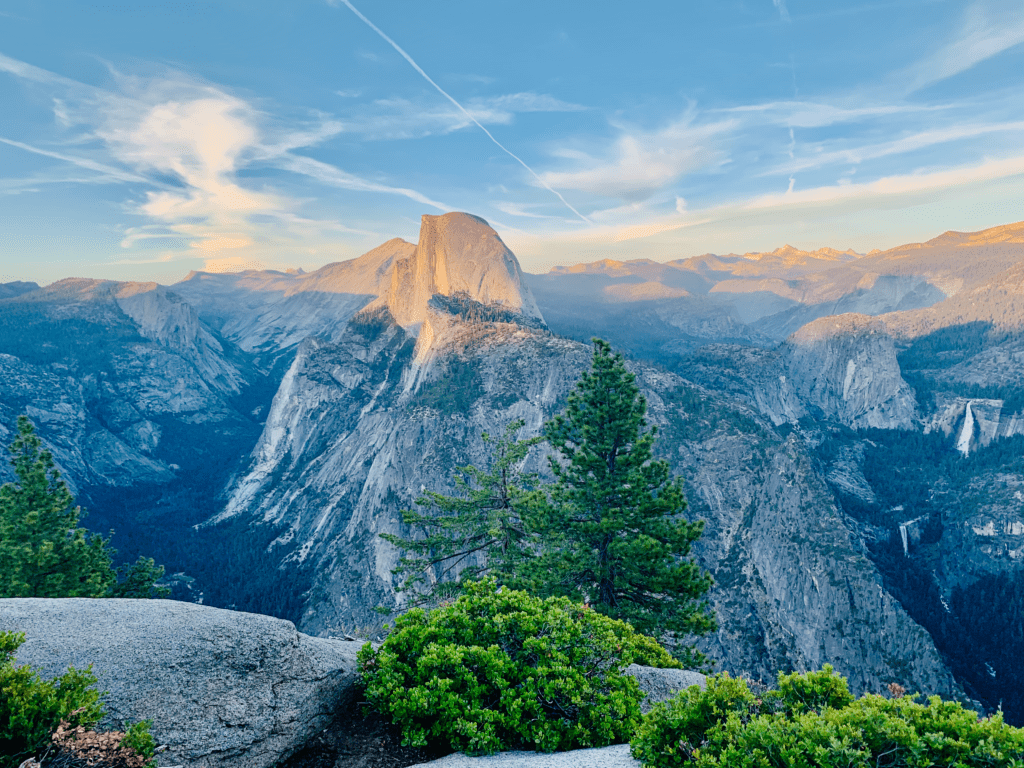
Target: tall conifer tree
x: 612, y: 530
x: 480, y: 531
x: 43, y: 552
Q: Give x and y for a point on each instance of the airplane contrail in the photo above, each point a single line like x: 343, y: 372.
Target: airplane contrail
x: 461, y: 108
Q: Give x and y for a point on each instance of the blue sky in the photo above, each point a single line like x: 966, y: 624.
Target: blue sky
x: 141, y: 140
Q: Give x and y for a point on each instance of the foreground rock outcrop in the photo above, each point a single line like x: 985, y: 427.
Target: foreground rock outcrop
x: 616, y: 756
x: 224, y: 689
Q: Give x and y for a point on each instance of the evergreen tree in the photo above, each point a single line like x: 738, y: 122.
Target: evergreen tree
x: 43, y: 552
x: 481, y: 530
x: 611, y: 529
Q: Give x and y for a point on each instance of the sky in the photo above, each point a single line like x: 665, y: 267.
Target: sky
x: 142, y: 140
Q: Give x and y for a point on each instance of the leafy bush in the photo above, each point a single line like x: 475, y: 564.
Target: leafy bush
x: 812, y: 720
x: 31, y: 708
x: 138, y: 739
x: 499, y: 669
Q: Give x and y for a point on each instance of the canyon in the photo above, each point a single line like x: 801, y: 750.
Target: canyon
x: 257, y: 431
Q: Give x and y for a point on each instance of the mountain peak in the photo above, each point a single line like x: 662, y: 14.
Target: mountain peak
x: 458, y: 254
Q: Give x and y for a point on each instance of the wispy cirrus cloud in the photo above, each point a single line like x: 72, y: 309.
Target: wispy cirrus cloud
x: 401, y: 118
x: 816, y: 156
x: 989, y: 27
x: 640, y: 163
x: 924, y: 181
x: 186, y: 149
x: 821, y: 114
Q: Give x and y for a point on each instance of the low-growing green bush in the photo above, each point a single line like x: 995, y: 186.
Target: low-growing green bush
x: 40, y: 716
x: 498, y: 669
x: 31, y: 708
x: 812, y: 720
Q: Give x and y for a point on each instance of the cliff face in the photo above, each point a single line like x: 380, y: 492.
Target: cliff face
x: 106, y: 370
x: 794, y: 586
x: 385, y: 370
x: 362, y: 424
x: 841, y: 369
x: 846, y: 368
x: 458, y: 255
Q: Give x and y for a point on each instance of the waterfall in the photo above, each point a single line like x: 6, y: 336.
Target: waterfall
x: 963, y: 443
x: 904, y: 534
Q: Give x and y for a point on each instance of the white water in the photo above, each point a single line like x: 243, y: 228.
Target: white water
x: 963, y: 443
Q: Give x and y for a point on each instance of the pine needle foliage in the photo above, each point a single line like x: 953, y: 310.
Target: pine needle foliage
x: 43, y: 551
x: 481, y: 530
x: 611, y: 525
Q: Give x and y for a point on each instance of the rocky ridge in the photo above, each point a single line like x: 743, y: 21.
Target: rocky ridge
x: 224, y: 689
x: 363, y: 423
x: 386, y: 369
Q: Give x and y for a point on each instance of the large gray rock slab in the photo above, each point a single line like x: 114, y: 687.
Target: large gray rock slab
x: 662, y: 684
x: 224, y: 689
x: 616, y: 756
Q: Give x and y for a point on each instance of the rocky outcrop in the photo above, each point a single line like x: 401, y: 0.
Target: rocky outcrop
x: 660, y: 685
x: 845, y: 367
x: 616, y: 756
x: 223, y: 689
x: 458, y: 255
x: 841, y: 369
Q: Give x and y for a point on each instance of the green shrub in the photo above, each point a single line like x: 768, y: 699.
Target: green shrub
x: 138, y: 739
x: 812, y: 720
x: 499, y: 669
x: 31, y: 708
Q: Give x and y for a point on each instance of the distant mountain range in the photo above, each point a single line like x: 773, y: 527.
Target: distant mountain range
x: 850, y: 426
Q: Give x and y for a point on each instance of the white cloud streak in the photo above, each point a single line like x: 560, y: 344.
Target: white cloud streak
x: 329, y: 174
x: 780, y: 6
x: 186, y: 144
x: 399, y: 118
x: 458, y: 106
x: 107, y: 172
x: 810, y: 114
x: 916, y: 141
x: 641, y: 163
x: 989, y: 28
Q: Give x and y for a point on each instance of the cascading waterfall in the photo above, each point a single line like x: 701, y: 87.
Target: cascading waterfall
x: 963, y: 442
x: 904, y: 535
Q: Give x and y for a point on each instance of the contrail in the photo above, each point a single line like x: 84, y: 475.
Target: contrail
x: 461, y: 108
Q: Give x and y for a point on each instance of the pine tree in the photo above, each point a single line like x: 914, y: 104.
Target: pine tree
x: 43, y: 552
x: 481, y: 530
x: 611, y: 529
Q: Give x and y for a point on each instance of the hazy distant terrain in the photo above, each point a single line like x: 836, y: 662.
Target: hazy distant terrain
x: 850, y: 426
